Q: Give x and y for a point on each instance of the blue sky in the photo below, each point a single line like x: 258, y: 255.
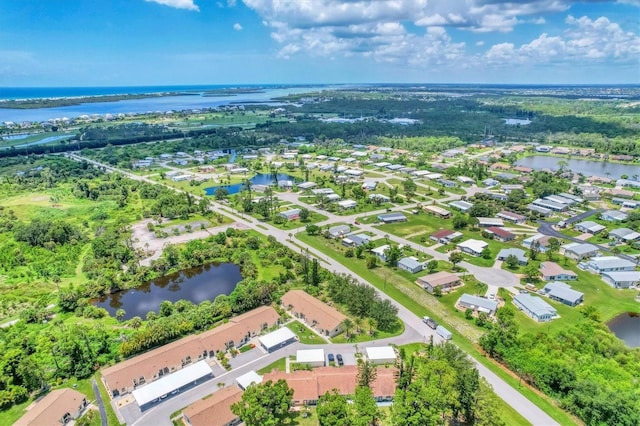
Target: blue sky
x: 156, y: 42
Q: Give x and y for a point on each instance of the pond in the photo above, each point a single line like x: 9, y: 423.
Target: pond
x: 627, y: 327
x: 586, y: 167
x: 259, y: 179
x: 195, y: 285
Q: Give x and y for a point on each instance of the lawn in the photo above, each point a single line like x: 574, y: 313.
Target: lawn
x: 280, y: 364
x: 364, y: 336
x: 464, y: 334
x: 305, y: 334
x: 421, y: 223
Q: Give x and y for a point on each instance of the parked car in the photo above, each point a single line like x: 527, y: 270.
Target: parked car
x: 492, y: 296
x: 331, y: 358
x: 431, y: 323
x: 340, y: 360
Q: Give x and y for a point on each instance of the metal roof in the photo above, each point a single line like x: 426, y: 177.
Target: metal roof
x: 480, y: 302
x: 277, y: 337
x: 563, y: 291
x: 170, y: 383
x: 381, y: 353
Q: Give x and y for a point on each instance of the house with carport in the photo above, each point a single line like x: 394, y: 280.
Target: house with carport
x: 323, y: 318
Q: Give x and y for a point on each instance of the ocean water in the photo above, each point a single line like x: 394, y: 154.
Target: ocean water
x: 195, y: 100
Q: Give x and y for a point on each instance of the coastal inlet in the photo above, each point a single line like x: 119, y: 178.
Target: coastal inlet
x: 195, y: 285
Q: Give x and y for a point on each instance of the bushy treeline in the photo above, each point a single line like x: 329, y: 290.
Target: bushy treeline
x: 584, y: 366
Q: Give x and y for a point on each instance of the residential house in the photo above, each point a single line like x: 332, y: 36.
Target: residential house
x: 613, y: 216
x: 500, y: 166
x: 624, y: 235
x: 480, y: 304
x: 410, y: 264
x: 446, y: 183
x: 379, y: 197
x: 523, y: 169
x: 369, y: 185
x: 628, y: 183
x: 132, y: 373
x: 589, y: 226
x: 443, y: 280
x: 603, y: 264
x: 466, y: 180
x: 292, y: 214
x: 380, y: 252
x: 510, y: 188
x: 445, y: 236
x: 534, y: 307
x: 630, y: 204
x: 472, y: 246
x: 485, y: 222
x: 562, y: 292
x: 438, y: 211
x: 500, y: 234
x: 347, y: 204
x: 490, y: 182
x: 621, y: 193
x: 507, y: 177
x: 392, y: 217
x: 355, y: 240
x: 512, y: 217
x: 550, y: 205
x: 543, y: 211
x: 621, y: 279
x: 307, y: 185
x: 323, y: 318
x: 551, y: 271
x: 58, y: 407
x: 217, y: 406
x: 579, y: 251
x: 518, y: 253
x: 339, y: 231
x: 463, y: 206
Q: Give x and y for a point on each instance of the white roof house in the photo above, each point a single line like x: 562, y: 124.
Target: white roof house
x: 473, y: 247
x: 534, y: 307
x: 461, y: 205
x: 490, y: 221
x: 379, y: 251
x: 590, y: 227
x: 562, y: 292
x: 579, y: 251
x: 251, y: 378
x: 347, y: 204
x: 312, y: 357
x: 610, y: 264
x: 621, y: 279
x: 277, y: 339
x: 613, y: 216
x: 478, y: 303
x: 624, y: 234
x: 171, y: 382
x: 381, y: 354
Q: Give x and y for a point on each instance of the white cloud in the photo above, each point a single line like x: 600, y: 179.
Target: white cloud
x: 237, y: 27
x: 178, y: 4
x: 585, y: 41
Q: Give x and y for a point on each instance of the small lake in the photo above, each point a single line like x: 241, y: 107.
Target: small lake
x: 627, y: 327
x: 195, y: 285
x: 259, y: 179
x: 586, y: 167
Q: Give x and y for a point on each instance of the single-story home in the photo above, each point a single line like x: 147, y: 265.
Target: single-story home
x: 562, y: 292
x: 534, y: 307
x: 380, y: 252
x: 355, y: 240
x: 410, y: 264
x: 277, y: 339
x: 446, y: 183
x: 58, y: 407
x: 332, y: 197
x: 218, y: 407
x: 590, y: 227
x: 339, y: 231
x: 539, y: 210
x: 307, y: 185
x: 485, y: 222
x: 518, y: 253
x: 292, y: 214
x: 579, y: 251
x: 442, y: 279
x: 603, y: 264
x: 490, y: 182
x: 472, y: 247
x: 369, y: 185
x: 480, y: 304
x: 347, y: 204
x: 323, y: 318
x: 510, y: 188
x: 466, y: 180
x: 550, y: 205
x: 392, y: 217
x: 463, y: 206
x: 621, y: 279
x: 551, y: 271
x: 614, y: 216
x: 500, y: 234
x: 445, y: 236
x: 381, y: 354
x: 540, y: 241
x: 511, y: 217
x: 438, y: 211
x: 624, y: 235
x: 379, y: 197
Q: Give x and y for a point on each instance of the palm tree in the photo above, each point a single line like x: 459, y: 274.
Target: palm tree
x: 347, y: 324
x: 373, y: 326
x: 358, y: 323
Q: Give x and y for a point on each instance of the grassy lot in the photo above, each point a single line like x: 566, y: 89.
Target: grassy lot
x: 364, y: 336
x: 305, y: 334
x: 465, y: 334
x: 38, y: 137
x: 280, y: 364
x: 417, y: 223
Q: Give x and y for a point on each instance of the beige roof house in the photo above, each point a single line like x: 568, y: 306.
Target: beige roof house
x: 442, y: 279
x: 215, y: 409
x: 324, y: 318
x: 58, y: 407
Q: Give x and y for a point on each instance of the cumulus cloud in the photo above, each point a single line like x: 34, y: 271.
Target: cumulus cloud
x: 585, y: 41
x: 237, y: 27
x: 178, y: 4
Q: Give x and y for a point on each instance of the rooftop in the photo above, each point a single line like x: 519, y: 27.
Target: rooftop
x: 314, y: 310
x: 274, y: 338
x: 563, y: 291
x: 171, y: 382
x: 249, y: 379
x: 381, y: 352
x: 479, y: 302
x: 307, y: 356
x: 50, y: 409
x: 534, y: 304
x: 218, y: 407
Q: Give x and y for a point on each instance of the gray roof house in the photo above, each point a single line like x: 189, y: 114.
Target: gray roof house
x: 410, y: 264
x: 562, y: 292
x: 519, y: 253
x: 355, y: 240
x: 579, y: 251
x: 463, y: 206
x: 624, y: 234
x: 480, y: 304
x: 534, y: 307
x: 392, y: 217
x: 603, y: 264
x: 589, y: 226
x: 613, y: 216
x: 550, y: 205
x: 338, y: 231
x: 621, y: 279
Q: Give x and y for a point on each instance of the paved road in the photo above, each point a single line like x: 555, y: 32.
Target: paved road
x: 510, y: 395
x: 99, y: 402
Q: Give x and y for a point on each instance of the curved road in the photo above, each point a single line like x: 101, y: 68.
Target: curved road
x: 510, y: 395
